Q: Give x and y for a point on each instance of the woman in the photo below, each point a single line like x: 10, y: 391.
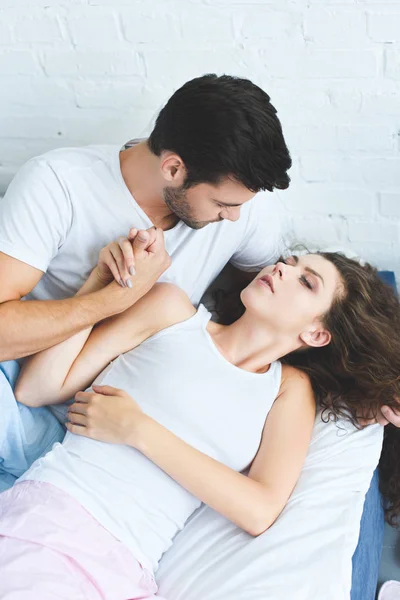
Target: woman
x: 200, y: 402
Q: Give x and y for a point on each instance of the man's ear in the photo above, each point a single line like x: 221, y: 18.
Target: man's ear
x: 316, y: 337
x: 173, y: 168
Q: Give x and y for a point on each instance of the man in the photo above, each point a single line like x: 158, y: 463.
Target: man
x: 216, y: 143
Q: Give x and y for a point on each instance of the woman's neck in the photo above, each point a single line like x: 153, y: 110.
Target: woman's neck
x: 248, y: 345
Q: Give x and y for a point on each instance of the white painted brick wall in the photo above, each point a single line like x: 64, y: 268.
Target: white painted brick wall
x: 91, y: 71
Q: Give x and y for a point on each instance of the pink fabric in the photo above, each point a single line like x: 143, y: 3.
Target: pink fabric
x: 51, y: 548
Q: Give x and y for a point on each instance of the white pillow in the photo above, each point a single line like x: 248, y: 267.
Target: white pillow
x: 306, y: 554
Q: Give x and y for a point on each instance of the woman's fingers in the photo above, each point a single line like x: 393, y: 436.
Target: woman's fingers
x: 128, y: 258
x: 77, y: 418
x: 77, y: 429
x: 118, y: 257
x: 79, y: 408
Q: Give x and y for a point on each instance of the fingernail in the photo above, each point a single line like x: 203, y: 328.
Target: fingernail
x: 121, y: 283
x: 132, y: 270
x: 142, y: 238
x: 129, y: 283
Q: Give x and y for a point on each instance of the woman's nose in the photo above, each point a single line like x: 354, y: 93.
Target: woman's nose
x: 279, y: 269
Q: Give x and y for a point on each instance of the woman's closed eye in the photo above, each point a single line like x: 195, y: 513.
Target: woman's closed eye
x: 291, y: 261
x: 306, y: 282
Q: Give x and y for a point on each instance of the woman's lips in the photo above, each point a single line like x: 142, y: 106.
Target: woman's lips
x: 267, y: 281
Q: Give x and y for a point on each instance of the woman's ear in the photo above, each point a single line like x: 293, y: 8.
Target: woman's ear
x: 316, y: 337
x: 173, y: 168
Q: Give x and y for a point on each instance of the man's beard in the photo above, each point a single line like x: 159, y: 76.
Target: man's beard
x: 176, y: 200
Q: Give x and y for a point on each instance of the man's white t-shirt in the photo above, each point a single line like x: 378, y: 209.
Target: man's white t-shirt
x: 64, y: 206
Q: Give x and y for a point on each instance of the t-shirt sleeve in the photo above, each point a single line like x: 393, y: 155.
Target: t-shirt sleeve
x: 35, y: 215
x: 263, y: 240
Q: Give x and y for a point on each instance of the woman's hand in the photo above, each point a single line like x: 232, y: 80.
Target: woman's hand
x: 107, y: 414
x: 118, y: 260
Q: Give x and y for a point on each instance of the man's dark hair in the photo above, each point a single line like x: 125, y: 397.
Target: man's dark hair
x: 224, y: 126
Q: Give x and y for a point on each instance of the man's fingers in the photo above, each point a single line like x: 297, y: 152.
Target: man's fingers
x: 158, y: 242
x: 391, y: 415
x: 141, y: 241
x: 381, y: 419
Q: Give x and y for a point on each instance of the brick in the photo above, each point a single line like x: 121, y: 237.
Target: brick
x: 315, y: 199
x: 259, y: 23
x: 5, y: 33
x: 392, y: 63
x: 382, y: 172
x: 39, y: 3
x: 381, y: 102
x: 93, y: 63
x: 90, y: 29
x: 335, y: 27
x: 115, y: 95
x: 149, y: 24
x: 365, y: 138
x: 372, y: 139
x: 389, y: 204
x: 375, y: 172
x: 38, y: 30
x: 30, y: 92
x: 211, y: 24
x: 384, y: 27
x: 373, y: 231
x: 298, y: 62
x: 167, y: 67
x: 29, y: 127
x: 18, y: 62
x: 314, y: 232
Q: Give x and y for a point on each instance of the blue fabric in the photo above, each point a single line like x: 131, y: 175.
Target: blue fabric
x: 368, y: 552
x: 25, y: 433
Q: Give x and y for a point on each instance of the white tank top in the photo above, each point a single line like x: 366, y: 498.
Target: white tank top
x: 178, y: 377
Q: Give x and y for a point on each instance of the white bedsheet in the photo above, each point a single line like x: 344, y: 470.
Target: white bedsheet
x: 306, y: 554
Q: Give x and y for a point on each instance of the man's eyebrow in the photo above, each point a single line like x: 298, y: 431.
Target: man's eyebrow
x: 308, y: 269
x: 224, y: 203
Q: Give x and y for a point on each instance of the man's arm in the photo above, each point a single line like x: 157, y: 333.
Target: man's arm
x: 27, y: 327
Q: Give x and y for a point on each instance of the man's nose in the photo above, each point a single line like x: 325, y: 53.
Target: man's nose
x: 232, y: 213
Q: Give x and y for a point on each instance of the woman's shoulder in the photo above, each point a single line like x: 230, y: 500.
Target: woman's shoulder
x: 296, y: 385
x: 169, y: 305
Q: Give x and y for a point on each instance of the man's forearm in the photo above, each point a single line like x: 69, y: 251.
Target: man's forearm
x: 27, y: 327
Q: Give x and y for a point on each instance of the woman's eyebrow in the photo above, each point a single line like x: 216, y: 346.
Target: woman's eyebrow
x: 309, y: 269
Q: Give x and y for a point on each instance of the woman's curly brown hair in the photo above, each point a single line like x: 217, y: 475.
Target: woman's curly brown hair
x: 359, y: 371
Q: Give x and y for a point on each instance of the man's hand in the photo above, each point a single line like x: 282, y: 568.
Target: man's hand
x: 151, y: 257
x: 117, y: 259
x: 385, y: 415
x: 107, y: 414
x: 390, y: 415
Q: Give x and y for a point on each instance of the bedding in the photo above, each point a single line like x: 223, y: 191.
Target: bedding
x: 306, y: 554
